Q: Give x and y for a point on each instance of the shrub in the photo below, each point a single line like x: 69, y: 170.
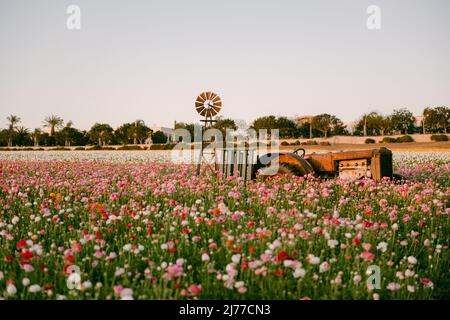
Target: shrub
x: 79, y: 148
x: 59, y: 149
x: 96, y: 147
x: 129, y: 148
x: 161, y: 146
x: 324, y: 143
x: 309, y: 143
x: 108, y: 148
x: 439, y: 137
x: 295, y: 143
x: 284, y: 143
x: 406, y: 138
x: 389, y: 140
x: 369, y: 141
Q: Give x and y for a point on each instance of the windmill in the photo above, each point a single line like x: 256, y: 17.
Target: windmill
x: 208, y: 105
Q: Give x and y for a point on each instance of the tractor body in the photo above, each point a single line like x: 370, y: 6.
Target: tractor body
x: 373, y: 163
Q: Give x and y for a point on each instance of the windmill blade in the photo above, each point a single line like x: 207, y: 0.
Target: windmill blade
x: 203, y: 96
x: 200, y: 108
x: 216, y: 109
x: 218, y: 103
x: 203, y: 112
x: 198, y: 104
x: 208, y: 95
x: 210, y: 113
x: 213, y: 112
x: 216, y: 98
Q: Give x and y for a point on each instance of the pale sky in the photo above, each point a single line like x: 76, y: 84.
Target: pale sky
x: 150, y: 59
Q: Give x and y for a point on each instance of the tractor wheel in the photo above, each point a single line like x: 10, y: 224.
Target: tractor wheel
x: 283, y: 169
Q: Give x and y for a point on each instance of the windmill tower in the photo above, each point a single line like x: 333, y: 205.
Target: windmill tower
x: 208, y: 105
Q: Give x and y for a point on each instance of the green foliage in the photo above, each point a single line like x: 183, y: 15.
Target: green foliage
x: 402, y: 120
x: 130, y: 148
x: 328, y: 124
x: 162, y: 146
x: 439, y: 137
x: 287, y: 128
x: 101, y: 134
x: 369, y: 141
x: 388, y: 140
x: 223, y: 124
x: 437, y: 119
x: 135, y: 132
x: 309, y: 143
x: 405, y: 138
x: 372, y: 124
x: 159, y: 137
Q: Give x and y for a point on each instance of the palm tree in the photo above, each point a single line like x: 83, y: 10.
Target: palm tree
x: 36, y: 135
x: 66, y: 132
x: 13, y: 121
x: 53, y: 122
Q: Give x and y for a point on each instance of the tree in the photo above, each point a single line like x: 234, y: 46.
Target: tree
x: 122, y: 133
x: 402, y: 120
x: 286, y: 127
x: 23, y: 137
x: 190, y: 127
x: 326, y: 123
x: 223, y: 124
x: 53, y: 122
x: 372, y: 124
x: 13, y: 121
x: 267, y: 122
x: 436, y: 119
x: 132, y: 132
x: 159, y: 137
x: 36, y: 136
x: 101, y: 133
x: 69, y: 136
x: 139, y: 131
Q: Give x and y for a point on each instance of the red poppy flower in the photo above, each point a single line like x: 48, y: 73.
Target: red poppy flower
x: 26, y: 255
x: 278, y: 272
x: 22, y: 243
x: 282, y: 255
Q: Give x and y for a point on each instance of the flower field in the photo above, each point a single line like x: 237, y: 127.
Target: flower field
x: 124, y: 225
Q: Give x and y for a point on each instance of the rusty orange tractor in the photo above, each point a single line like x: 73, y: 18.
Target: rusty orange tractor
x: 374, y: 163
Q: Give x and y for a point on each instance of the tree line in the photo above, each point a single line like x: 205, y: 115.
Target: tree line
x: 400, y: 121
x: 60, y: 133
